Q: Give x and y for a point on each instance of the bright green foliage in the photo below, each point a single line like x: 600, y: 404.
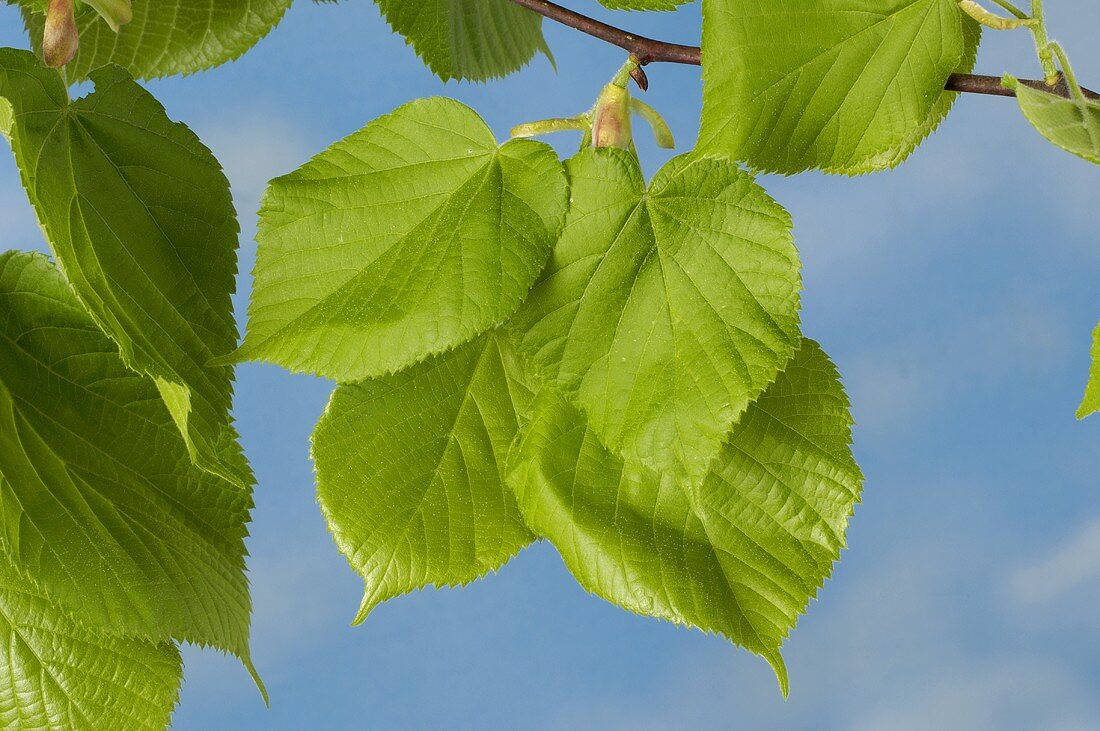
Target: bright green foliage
x: 166, y: 37
x: 740, y: 555
x: 410, y: 470
x: 664, y: 312
x: 1091, y: 402
x: 57, y: 674
x: 1072, y: 124
x: 643, y: 4
x: 141, y: 220
x: 846, y: 86
x: 99, y: 501
x: 5, y: 117
x: 403, y: 240
x: 475, y: 40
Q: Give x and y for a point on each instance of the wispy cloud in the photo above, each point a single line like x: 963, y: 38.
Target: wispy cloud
x: 1072, y: 565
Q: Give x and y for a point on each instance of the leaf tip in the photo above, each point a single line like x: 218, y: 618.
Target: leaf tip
x: 255, y: 674
x: 365, y: 608
x: 780, y: 668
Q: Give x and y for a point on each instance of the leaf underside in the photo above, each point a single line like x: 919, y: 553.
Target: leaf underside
x: 165, y: 37
x: 741, y: 554
x: 140, y: 218
x: 1072, y: 124
x: 475, y: 40
x: 99, y: 500
x: 664, y: 311
x: 410, y: 470
x: 58, y: 674
x: 790, y: 85
x: 403, y: 240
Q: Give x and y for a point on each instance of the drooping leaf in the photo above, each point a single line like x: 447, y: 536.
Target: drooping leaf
x: 664, y: 312
x: 410, y: 470
x: 475, y: 40
x: 403, y: 240
x: 165, y: 37
x: 743, y: 553
x: 58, y: 674
x: 1072, y: 124
x: 140, y: 218
x: 845, y: 86
x: 1091, y: 403
x: 99, y: 500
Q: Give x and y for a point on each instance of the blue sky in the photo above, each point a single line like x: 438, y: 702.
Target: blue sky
x: 957, y: 295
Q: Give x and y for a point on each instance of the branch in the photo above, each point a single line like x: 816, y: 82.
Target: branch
x: 649, y: 50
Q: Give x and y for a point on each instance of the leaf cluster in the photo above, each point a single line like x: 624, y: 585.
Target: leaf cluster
x: 525, y: 348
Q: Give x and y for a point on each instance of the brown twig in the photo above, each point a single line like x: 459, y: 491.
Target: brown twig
x: 649, y: 50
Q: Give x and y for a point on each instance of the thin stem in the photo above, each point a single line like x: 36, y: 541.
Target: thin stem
x: 1067, y: 70
x: 1042, y: 43
x: 649, y: 50
x: 1006, y: 5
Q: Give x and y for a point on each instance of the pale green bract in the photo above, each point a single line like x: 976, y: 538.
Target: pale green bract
x: 1091, y: 403
x: 846, y: 86
x: 99, y: 500
x: 166, y: 37
x: 410, y: 470
x: 664, y: 312
x: 743, y: 553
x: 403, y: 240
x: 141, y: 220
x: 474, y: 40
x: 58, y: 674
x: 1072, y: 124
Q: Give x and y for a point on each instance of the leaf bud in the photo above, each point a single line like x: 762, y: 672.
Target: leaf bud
x: 60, y: 38
x: 611, y: 120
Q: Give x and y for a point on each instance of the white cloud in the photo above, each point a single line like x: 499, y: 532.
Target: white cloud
x: 891, y: 648
x: 1071, y: 566
x: 254, y: 147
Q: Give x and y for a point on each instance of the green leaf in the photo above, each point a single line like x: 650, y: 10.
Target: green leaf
x: 740, y: 555
x: 839, y: 85
x: 475, y: 40
x: 665, y: 312
x: 166, y: 37
x: 99, y: 500
x: 1091, y: 402
x: 141, y: 220
x: 410, y: 471
x: 59, y: 674
x: 405, y: 239
x: 1072, y: 124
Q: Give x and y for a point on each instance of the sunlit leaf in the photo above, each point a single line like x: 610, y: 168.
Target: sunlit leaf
x: 141, y: 220
x: 99, y: 500
x: 845, y: 86
x: 664, y: 311
x: 410, y: 470
x: 58, y: 674
x: 166, y: 37
x: 403, y: 240
x: 468, y: 39
x: 743, y: 553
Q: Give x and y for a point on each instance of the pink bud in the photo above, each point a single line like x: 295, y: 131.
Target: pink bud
x: 611, y: 123
x: 60, y: 38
